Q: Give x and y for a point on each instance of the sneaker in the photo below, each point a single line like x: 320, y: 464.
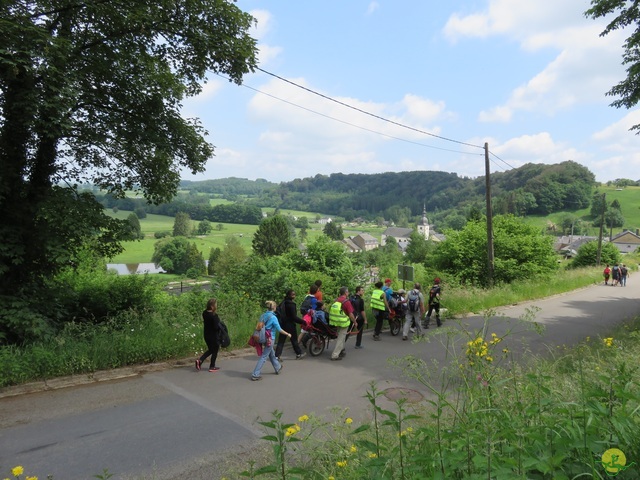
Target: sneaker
x: 376, y: 338
x: 412, y: 330
x: 214, y: 369
x: 343, y: 353
x: 300, y: 355
x: 255, y: 379
x: 405, y: 338
x: 359, y: 346
x: 336, y: 359
x: 281, y: 367
x: 279, y: 359
x: 198, y: 364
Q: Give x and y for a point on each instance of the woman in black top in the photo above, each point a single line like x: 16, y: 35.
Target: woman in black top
x: 211, y: 323
x: 288, y: 324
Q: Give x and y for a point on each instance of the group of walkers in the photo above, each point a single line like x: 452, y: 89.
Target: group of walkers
x: 618, y: 275
x: 346, y: 315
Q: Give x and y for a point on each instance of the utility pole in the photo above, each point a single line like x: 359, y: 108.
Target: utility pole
x: 604, y: 206
x: 490, y: 259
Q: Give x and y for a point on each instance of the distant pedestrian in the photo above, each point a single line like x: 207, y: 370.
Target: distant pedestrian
x: 211, y: 324
x: 288, y: 323
x: 607, y: 273
x: 273, y: 326
x: 358, y: 311
x: 415, y: 311
x: 434, y: 303
x: 615, y: 275
x: 341, y: 316
x: 624, y: 273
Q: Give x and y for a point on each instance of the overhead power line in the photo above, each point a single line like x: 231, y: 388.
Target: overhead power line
x: 367, y: 113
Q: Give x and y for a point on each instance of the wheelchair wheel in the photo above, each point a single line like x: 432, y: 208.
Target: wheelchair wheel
x: 315, y: 345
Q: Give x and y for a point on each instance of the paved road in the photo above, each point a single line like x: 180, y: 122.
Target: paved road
x: 176, y: 422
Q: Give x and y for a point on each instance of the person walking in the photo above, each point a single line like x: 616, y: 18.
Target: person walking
x: 434, y: 303
x: 272, y: 325
x: 415, y: 311
x: 211, y: 324
x: 341, y: 316
x: 624, y: 273
x: 380, y: 307
x: 318, y: 294
x: 606, y: 273
x: 357, y: 302
x: 615, y: 275
x: 288, y: 323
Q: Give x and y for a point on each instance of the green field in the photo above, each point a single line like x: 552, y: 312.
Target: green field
x: 629, y: 199
x: 141, y: 251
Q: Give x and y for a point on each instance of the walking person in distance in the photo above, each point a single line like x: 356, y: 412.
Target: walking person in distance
x: 211, y: 324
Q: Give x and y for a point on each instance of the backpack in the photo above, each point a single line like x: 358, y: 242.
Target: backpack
x: 280, y: 312
x: 413, y: 301
x: 223, y: 335
x: 354, y: 303
x: 306, y: 305
x: 623, y: 270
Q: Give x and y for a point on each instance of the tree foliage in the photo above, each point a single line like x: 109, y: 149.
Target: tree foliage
x: 91, y: 92
x: 519, y: 252
x: 588, y: 254
x: 182, y: 225
x: 177, y: 255
x: 625, y: 14
x: 333, y: 230
x: 273, y: 237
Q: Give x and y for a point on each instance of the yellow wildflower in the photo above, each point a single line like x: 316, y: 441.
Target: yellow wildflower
x: 31, y: 478
x: 342, y: 464
x: 348, y: 420
x: 608, y: 342
x: 331, y: 477
x: 17, y: 471
x: 353, y: 449
x: 505, y: 350
x: 373, y: 455
x: 409, y: 429
x: 290, y: 431
x: 303, y: 418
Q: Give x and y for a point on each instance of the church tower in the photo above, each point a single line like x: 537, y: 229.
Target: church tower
x: 423, y: 225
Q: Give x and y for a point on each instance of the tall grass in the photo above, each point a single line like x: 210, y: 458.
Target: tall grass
x: 571, y: 416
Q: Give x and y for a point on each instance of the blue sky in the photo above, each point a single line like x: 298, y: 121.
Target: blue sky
x: 528, y: 78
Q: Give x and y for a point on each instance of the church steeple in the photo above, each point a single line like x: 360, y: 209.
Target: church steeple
x: 423, y: 226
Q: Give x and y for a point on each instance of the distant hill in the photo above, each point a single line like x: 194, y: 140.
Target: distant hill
x: 530, y: 189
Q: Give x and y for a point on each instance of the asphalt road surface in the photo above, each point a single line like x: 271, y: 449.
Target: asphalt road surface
x: 179, y: 423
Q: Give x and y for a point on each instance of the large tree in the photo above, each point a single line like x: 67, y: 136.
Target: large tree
x: 273, y: 237
x: 91, y: 92
x: 626, y: 15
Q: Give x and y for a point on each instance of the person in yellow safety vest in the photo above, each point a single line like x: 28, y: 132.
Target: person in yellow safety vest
x: 380, y: 307
x: 341, y: 316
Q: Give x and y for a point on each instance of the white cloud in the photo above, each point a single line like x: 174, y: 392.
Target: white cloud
x: 373, y: 6
x: 264, y: 21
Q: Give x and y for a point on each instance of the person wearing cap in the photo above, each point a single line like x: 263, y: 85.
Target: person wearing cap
x: 388, y: 291
x: 415, y: 310
x: 434, y: 303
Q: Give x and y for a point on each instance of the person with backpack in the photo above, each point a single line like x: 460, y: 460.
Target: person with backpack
x: 310, y: 302
x: 271, y: 324
x: 380, y: 307
x: 624, y: 272
x: 615, y: 274
x: 606, y: 273
x: 434, y: 303
x: 415, y: 310
x: 211, y: 324
x: 341, y: 316
x: 357, y: 302
x: 288, y: 319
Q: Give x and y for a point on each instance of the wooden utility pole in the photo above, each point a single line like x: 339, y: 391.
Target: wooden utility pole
x: 490, y: 259
x: 604, y: 207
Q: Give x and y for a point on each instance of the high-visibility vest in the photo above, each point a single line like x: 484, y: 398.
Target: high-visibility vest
x: 377, y: 302
x: 337, y: 316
